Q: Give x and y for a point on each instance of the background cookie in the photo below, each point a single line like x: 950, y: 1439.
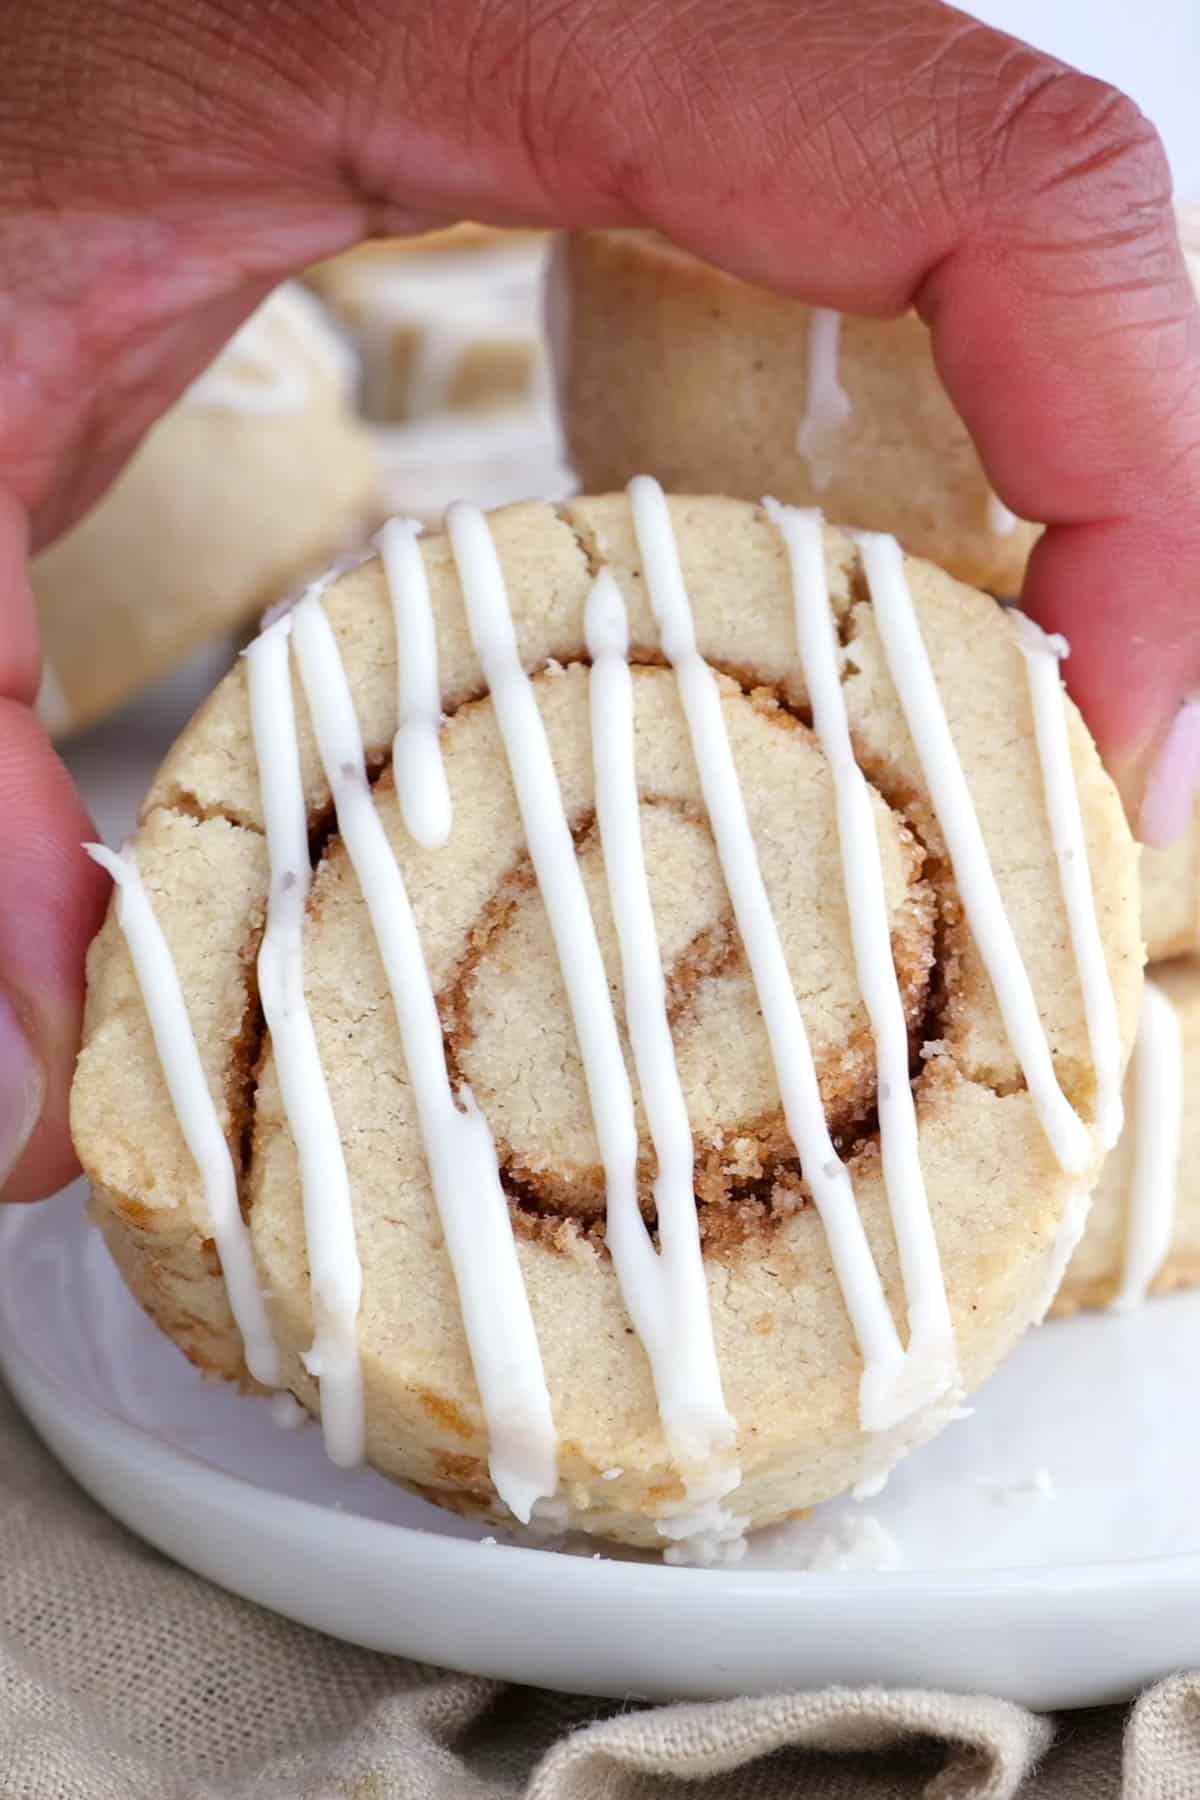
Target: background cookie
x: 719, y: 387
x: 715, y: 386
x: 455, y: 372
x: 255, y: 479
x: 447, y: 322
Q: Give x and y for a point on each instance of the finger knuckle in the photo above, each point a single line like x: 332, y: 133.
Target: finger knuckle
x: 1080, y: 144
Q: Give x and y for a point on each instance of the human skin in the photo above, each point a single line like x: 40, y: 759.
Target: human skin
x: 163, y: 167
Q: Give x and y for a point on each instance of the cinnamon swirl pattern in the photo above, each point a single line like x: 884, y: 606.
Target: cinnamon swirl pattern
x: 672, y: 1086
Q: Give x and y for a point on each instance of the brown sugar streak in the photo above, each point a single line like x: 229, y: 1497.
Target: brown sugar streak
x: 444, y: 1412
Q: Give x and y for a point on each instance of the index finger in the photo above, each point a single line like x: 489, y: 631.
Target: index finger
x: 874, y: 157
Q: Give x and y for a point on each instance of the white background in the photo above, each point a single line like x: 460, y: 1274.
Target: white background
x: 1151, y: 48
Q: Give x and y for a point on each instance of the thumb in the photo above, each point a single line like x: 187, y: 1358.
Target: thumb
x: 51, y: 902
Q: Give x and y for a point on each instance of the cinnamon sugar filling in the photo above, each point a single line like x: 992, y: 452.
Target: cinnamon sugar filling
x: 748, y: 1178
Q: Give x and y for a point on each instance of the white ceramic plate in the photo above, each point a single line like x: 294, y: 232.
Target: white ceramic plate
x: 1067, y: 1597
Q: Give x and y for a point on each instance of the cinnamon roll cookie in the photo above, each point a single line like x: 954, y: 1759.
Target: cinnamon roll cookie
x: 618, y: 1008
x: 252, y: 481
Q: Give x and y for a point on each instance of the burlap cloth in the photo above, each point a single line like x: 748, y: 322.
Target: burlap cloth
x: 123, y: 1677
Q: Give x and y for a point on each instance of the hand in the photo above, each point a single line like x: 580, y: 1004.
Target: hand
x: 161, y: 168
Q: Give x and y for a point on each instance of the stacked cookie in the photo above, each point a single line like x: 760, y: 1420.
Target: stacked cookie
x: 1146, y: 1212
x: 715, y: 386
x: 670, y: 365
x: 719, y: 387
x: 1143, y: 1233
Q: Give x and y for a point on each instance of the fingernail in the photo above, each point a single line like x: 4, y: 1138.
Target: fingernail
x: 22, y: 1090
x: 1174, y: 781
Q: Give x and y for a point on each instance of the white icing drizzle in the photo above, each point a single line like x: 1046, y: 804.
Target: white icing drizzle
x: 310, y: 326
x: 932, y: 1356
x: 249, y: 378
x: 913, y: 679
x: 417, y: 763
x: 1001, y: 522
x: 1042, y: 657
x: 264, y: 369
x: 287, y: 1414
x: 458, y: 1144
x: 440, y: 351
x: 827, y: 405
x: 695, y: 1422
x: 179, y: 1058
x: 333, y: 1261
x: 869, y: 1487
x: 1067, y: 1238
x: 882, y: 1401
x: 706, y: 1547
x: 673, y: 1296
x: 1158, y: 1140
x: 51, y: 705
x: 342, y: 564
